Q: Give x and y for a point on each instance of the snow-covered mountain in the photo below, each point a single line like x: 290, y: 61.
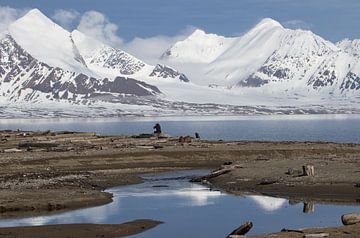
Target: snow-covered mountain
x: 269, y: 70
x: 271, y: 58
x: 41, y: 61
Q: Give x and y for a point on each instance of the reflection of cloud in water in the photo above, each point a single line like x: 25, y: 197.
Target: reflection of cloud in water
x: 188, y: 195
x: 36, y: 221
x: 87, y: 215
x: 199, y: 195
x: 269, y: 204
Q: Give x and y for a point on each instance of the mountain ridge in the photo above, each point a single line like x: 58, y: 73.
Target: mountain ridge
x: 269, y: 55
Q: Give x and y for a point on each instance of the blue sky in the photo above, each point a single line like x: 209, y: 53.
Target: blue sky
x: 331, y: 19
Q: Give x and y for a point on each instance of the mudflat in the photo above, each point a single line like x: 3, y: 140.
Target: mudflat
x: 79, y: 230
x: 46, y: 172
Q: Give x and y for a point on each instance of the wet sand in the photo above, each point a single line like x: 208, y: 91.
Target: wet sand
x: 46, y: 172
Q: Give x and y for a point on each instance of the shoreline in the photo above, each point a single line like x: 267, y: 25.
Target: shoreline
x: 57, y: 172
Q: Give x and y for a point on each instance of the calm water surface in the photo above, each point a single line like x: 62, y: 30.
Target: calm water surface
x: 192, y: 210
x: 336, y: 128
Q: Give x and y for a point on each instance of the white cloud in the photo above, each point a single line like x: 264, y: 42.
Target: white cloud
x: 297, y: 24
x: 97, y: 25
x: 150, y: 49
x: 65, y: 17
x: 9, y: 15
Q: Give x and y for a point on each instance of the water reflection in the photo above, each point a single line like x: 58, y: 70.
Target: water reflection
x: 309, y: 207
x: 192, y: 210
x: 269, y: 204
x: 170, y: 188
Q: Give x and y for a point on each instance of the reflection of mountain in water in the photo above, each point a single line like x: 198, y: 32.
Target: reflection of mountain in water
x: 269, y: 204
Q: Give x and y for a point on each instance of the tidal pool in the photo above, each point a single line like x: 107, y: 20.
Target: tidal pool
x: 193, y: 210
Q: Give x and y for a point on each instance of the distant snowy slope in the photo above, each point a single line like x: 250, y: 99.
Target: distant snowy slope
x: 350, y: 46
x: 224, y: 61
x: 248, y: 53
x: 199, y: 47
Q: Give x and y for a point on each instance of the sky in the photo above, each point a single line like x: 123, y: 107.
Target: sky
x: 137, y: 24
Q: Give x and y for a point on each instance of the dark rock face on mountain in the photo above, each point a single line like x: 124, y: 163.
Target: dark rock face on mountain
x: 252, y: 81
x: 352, y: 81
x: 163, y: 71
x: 128, y: 86
x: 117, y: 59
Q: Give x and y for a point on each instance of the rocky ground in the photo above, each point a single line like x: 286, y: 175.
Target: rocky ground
x: 42, y: 172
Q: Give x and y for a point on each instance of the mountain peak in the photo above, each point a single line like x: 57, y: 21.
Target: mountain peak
x: 198, y: 32
x: 35, y: 11
x: 199, y: 47
x: 268, y: 22
x: 35, y: 15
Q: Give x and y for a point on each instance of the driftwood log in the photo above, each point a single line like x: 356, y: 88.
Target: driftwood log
x: 210, y: 176
x: 318, y: 235
x: 291, y: 230
x: 308, y: 170
x: 241, y: 230
x: 39, y: 144
x: 350, y: 219
x: 13, y: 150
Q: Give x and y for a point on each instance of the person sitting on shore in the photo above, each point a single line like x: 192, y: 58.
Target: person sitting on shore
x: 157, y: 129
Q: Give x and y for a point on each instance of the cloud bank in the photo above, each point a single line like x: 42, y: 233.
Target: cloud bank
x: 9, y: 15
x: 98, y: 26
x: 297, y: 24
x: 150, y: 49
x: 65, y: 17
